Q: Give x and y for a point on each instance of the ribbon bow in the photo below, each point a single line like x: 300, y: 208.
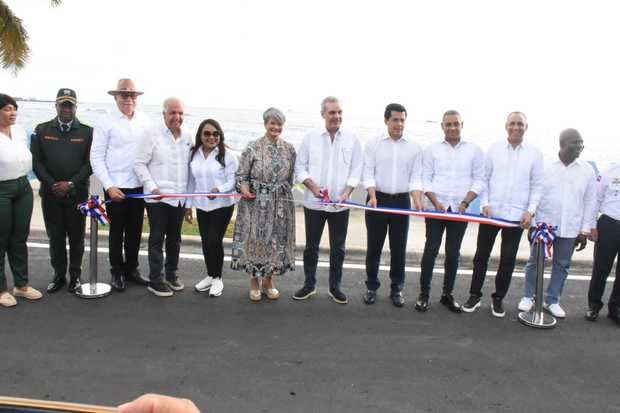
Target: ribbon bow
x: 94, y: 208
x: 544, y: 234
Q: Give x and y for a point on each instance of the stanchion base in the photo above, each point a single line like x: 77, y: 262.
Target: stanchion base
x: 537, y: 320
x: 97, y: 290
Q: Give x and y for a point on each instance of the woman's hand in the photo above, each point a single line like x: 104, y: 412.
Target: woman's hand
x: 245, y: 192
x: 213, y: 190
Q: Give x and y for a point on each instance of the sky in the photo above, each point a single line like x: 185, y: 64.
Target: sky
x: 557, y: 61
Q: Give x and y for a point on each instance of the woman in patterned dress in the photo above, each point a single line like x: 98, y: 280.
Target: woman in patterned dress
x: 264, y: 239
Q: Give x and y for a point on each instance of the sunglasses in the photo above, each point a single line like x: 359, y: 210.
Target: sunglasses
x: 208, y: 134
x: 128, y: 95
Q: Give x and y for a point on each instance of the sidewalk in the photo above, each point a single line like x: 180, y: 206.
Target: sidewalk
x: 356, y: 238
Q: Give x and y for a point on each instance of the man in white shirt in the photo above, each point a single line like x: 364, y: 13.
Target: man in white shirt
x: 607, y: 247
x: 392, y: 173
x: 513, y: 178
x: 568, y: 202
x: 162, y: 166
x: 328, y: 159
x: 116, y: 137
x: 453, y: 176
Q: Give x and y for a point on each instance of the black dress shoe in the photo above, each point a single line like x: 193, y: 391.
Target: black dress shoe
x: 56, y: 284
x: 397, y: 299
x: 74, y: 284
x: 118, y: 282
x: 370, y: 297
x: 136, y: 278
x: 422, y: 304
x: 450, y: 303
x: 591, y: 315
x: 614, y: 316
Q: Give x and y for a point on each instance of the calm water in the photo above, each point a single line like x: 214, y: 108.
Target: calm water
x: 241, y: 126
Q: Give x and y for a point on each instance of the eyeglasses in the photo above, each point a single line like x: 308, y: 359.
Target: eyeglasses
x: 128, y: 95
x: 208, y: 134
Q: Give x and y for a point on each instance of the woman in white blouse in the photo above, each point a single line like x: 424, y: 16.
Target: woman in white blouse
x: 211, y: 169
x: 15, y: 204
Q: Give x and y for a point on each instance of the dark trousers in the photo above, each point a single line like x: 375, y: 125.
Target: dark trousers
x: 508, y: 254
x: 62, y: 220
x: 606, y: 250
x: 337, y: 224
x: 212, y: 226
x: 126, y: 219
x: 434, y: 233
x: 165, y: 223
x: 378, y: 225
x: 15, y: 214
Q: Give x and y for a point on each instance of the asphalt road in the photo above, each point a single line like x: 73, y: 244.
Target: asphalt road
x: 231, y: 355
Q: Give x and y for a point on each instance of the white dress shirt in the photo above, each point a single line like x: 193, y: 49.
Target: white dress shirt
x: 15, y: 157
x: 206, y: 173
x: 451, y: 172
x: 608, y: 194
x: 513, y: 178
x: 331, y: 165
x: 568, y: 198
x: 393, y: 166
x: 113, y: 151
x: 162, y: 162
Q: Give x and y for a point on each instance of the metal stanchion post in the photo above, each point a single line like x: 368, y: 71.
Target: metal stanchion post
x: 93, y: 289
x: 536, y: 317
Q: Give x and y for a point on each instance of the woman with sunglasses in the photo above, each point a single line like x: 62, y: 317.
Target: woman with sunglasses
x: 15, y: 204
x: 211, y: 169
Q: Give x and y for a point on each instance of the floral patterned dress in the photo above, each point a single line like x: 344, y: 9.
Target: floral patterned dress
x: 264, y: 238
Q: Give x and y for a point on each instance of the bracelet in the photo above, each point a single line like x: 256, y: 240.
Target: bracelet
x: 465, y: 202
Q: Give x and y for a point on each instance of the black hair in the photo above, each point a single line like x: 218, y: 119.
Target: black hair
x: 393, y: 107
x: 198, y: 142
x: 7, y: 100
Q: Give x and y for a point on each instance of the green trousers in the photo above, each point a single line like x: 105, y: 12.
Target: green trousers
x: 15, y: 214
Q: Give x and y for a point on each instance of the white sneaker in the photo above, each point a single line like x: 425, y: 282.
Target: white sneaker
x: 204, y: 284
x: 217, y: 286
x: 526, y: 304
x: 555, y: 310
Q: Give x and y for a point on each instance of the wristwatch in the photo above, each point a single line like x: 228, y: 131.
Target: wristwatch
x: 466, y: 203
x: 71, y: 184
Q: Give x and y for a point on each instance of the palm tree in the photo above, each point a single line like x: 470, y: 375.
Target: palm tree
x: 14, y: 50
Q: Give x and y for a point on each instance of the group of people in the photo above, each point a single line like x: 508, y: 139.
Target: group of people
x: 131, y: 156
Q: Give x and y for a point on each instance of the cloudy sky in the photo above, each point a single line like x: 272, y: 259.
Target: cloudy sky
x: 555, y: 60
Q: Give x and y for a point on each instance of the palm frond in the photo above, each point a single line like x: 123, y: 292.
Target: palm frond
x: 14, y: 50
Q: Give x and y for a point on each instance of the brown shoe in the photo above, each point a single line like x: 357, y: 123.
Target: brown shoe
x: 27, y: 292
x: 7, y: 300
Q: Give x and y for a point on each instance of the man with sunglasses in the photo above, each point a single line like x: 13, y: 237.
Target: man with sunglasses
x: 60, y: 158
x: 116, y: 138
x: 569, y: 204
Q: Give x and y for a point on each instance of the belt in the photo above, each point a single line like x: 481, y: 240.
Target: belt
x: 392, y: 196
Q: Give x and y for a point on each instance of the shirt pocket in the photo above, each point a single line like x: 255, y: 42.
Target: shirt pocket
x: 346, y: 153
x: 613, y: 189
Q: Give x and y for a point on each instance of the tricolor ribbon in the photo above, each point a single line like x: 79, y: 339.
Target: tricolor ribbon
x: 185, y: 195
x: 544, y: 234
x: 94, y: 208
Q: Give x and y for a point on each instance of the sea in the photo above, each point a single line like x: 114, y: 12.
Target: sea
x: 244, y: 125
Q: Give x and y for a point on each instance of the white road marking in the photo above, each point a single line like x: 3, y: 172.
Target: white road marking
x: 349, y: 266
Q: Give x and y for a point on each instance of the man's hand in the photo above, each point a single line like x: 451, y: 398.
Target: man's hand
x: 580, y: 242
x: 155, y: 403
x: 439, y: 207
x: 372, y: 202
x: 486, y: 211
x: 214, y: 190
x: 156, y: 191
x: 526, y: 220
x: 463, y: 207
x: 593, y: 235
x: 189, y: 217
x: 115, y: 194
x: 61, y: 189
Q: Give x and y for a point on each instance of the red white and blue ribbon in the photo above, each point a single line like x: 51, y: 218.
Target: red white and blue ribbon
x: 185, y: 195
x: 94, y: 208
x: 544, y: 234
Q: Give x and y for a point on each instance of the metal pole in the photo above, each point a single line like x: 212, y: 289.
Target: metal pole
x: 536, y: 317
x: 93, y: 289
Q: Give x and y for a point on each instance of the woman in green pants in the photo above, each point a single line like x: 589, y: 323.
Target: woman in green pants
x: 15, y: 204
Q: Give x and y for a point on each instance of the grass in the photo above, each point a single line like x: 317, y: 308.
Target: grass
x: 192, y: 229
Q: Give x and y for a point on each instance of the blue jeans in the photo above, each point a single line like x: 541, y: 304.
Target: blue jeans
x: 563, y: 249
